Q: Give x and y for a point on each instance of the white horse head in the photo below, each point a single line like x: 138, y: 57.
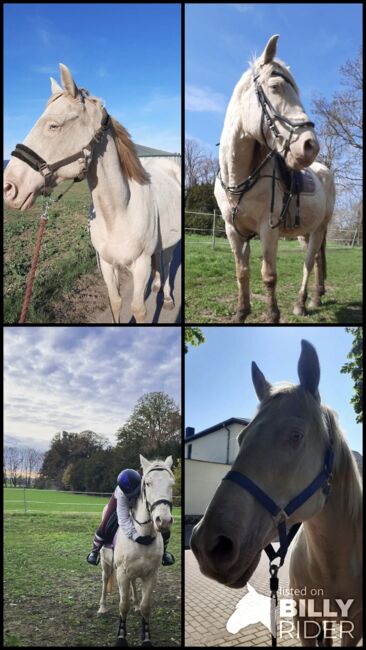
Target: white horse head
x: 252, y: 608
x: 157, y: 489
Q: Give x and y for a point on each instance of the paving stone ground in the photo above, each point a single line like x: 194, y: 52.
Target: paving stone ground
x: 208, y: 606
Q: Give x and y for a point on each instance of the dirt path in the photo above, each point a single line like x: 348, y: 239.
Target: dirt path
x: 88, y: 301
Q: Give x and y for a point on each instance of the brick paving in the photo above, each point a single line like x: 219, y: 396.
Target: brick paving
x: 208, y: 606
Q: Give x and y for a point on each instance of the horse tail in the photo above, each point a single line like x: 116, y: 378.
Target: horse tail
x: 323, y: 256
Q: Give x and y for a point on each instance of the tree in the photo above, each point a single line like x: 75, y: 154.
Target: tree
x: 153, y: 429
x: 68, y: 448
x: 354, y: 368
x: 194, y: 336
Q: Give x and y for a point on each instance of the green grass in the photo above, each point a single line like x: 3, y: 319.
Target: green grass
x: 211, y: 289
x: 66, y: 254
x: 51, y: 594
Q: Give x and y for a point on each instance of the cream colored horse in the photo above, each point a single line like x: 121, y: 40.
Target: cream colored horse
x: 137, y: 209
x: 132, y: 561
x: 282, y: 451
x: 246, y: 141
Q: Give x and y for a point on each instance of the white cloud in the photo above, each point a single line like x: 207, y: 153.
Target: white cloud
x: 202, y: 99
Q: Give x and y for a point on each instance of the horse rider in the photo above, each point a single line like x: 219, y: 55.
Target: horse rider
x: 119, y: 508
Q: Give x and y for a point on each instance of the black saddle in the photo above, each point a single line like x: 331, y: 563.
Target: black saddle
x: 303, y: 180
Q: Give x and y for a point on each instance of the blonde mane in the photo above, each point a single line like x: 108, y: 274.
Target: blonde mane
x: 130, y: 162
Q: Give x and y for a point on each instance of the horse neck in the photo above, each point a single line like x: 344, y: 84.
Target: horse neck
x: 108, y: 185
x: 334, y: 536
x: 239, y: 152
x: 141, y: 513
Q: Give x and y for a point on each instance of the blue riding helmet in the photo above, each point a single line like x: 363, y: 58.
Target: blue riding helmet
x: 130, y: 482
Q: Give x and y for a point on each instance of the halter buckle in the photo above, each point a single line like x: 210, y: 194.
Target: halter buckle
x: 280, y: 517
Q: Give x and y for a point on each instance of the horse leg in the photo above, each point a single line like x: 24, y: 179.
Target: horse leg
x: 110, y: 276
x: 148, y: 585
x: 107, y: 570
x: 155, y: 267
x: 315, y: 241
x: 320, y: 272
x: 124, y: 605
x: 269, y: 241
x: 167, y: 258
x: 141, y: 269
x: 135, y: 596
x: 241, y: 250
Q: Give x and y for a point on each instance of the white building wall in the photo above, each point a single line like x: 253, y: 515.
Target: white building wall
x: 213, y: 446
x: 201, y: 481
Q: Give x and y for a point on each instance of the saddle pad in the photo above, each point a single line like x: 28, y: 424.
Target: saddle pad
x: 305, y: 181
x: 113, y: 543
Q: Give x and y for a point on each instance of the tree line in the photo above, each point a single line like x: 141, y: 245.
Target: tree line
x: 87, y: 462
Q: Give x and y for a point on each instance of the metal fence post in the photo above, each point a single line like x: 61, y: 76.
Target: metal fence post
x: 213, y: 230
x: 25, y: 502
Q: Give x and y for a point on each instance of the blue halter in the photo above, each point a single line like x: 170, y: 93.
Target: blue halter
x: 323, y: 480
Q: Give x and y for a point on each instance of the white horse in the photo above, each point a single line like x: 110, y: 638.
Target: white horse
x: 137, y: 209
x: 132, y: 561
x: 265, y: 118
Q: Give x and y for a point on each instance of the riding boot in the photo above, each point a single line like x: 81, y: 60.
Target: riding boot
x: 168, y: 558
x: 93, y: 557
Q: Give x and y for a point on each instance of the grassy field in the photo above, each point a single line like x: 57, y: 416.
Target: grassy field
x: 211, y: 289
x: 51, y: 594
x: 66, y: 254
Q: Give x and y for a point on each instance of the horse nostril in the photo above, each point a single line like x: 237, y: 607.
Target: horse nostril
x: 158, y: 520
x: 223, y: 548
x: 171, y: 520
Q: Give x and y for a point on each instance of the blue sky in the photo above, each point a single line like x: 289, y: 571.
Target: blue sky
x: 127, y: 54
x: 76, y: 378
x: 218, y: 381
x: 315, y: 40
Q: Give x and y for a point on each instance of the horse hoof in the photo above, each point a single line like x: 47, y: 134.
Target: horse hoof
x: 121, y: 641
x: 156, y: 288
x: 168, y: 304
x: 299, y: 310
x: 146, y: 642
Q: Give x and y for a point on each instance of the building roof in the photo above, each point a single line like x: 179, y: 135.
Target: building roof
x: 148, y: 152
x: 215, y: 427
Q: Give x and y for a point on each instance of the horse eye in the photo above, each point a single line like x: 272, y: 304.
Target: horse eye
x: 53, y: 127
x: 296, y: 436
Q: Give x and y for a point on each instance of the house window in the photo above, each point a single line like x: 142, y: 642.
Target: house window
x: 189, y: 451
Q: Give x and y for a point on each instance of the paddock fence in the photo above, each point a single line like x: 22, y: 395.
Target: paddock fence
x: 209, y: 226
x: 31, y: 500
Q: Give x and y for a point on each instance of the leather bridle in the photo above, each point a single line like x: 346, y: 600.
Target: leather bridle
x: 269, y: 115
x: 31, y: 158
x: 150, y: 506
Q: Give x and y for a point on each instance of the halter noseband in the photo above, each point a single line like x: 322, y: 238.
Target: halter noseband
x: 31, y: 158
x: 280, y: 515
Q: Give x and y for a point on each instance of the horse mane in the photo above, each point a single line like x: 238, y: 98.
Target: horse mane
x: 130, y: 162
x: 129, y: 159
x: 348, y: 483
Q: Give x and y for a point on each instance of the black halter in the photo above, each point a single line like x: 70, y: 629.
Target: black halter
x: 270, y: 115
x: 31, y: 158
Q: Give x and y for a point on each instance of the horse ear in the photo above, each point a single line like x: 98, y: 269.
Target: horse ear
x: 144, y: 463
x: 261, y: 385
x: 55, y: 88
x: 67, y: 81
x: 308, y: 369
x: 169, y: 462
x: 269, y: 51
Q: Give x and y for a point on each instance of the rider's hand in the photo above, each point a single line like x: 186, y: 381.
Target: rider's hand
x: 145, y: 540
